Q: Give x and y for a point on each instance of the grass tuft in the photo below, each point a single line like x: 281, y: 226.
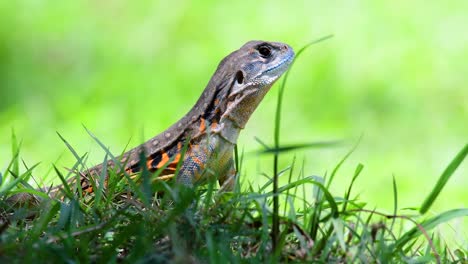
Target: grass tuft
x: 128, y: 223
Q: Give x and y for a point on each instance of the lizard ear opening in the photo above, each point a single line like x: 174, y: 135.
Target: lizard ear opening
x: 239, y: 77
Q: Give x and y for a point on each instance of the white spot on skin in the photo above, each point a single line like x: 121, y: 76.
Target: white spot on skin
x: 155, y: 142
x: 167, y: 135
x: 180, y: 125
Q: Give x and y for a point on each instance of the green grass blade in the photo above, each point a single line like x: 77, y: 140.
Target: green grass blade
x: 337, y: 167
x: 106, y: 149
x: 395, y: 201
x: 444, y: 179
x: 430, y: 224
x: 264, y: 145
x: 289, y: 181
x: 338, y: 227
x: 100, y: 188
x: 41, y: 225
x: 275, y: 226
x: 31, y: 191
x: 358, y: 171
x: 20, y: 178
x: 145, y: 185
x: 287, y: 148
x: 15, y: 149
x: 65, y: 186
x: 14, y: 160
x: 72, y: 150
x: 328, y: 196
x: 314, y: 220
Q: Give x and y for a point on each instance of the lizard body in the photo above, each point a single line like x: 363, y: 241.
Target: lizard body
x: 212, y: 126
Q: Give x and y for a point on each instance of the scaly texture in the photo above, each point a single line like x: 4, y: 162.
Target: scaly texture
x: 213, y: 124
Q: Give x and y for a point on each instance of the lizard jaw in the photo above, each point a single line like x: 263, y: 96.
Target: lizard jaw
x: 271, y: 74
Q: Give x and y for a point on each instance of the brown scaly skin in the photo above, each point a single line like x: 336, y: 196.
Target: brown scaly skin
x: 213, y: 124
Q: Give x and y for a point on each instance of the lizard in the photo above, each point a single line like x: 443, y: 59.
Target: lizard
x: 212, y: 126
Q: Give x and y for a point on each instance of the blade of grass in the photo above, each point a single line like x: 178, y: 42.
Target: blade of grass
x: 72, y: 150
x: 348, y: 193
x: 14, y: 160
x: 31, y: 191
x: 289, y: 181
x: 25, y: 182
x: 338, y: 227
x: 429, y: 224
x: 395, y: 201
x: 65, y: 186
x: 315, y: 216
x: 238, y: 161
x: 40, y: 226
x: 102, y: 178
x: 264, y: 145
x: 275, y: 225
x: 270, y: 180
x: 448, y: 172
x: 328, y: 196
x: 287, y: 148
x: 337, y: 167
x: 106, y: 149
x: 11, y: 184
x: 15, y: 148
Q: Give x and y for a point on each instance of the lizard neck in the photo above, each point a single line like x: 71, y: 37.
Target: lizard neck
x: 240, y: 107
x: 228, y: 130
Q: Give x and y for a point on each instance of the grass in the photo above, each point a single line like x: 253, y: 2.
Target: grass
x: 301, y: 221
x: 124, y: 222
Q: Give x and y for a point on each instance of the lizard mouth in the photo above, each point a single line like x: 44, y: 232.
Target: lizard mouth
x: 283, y: 64
x: 273, y: 73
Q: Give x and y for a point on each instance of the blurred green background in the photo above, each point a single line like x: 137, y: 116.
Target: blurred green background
x: 395, y: 72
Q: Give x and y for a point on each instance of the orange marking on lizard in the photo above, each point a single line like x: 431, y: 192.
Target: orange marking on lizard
x: 214, y: 125
x: 164, y: 159
x: 148, y: 164
x: 177, y: 157
x: 202, y: 125
x: 175, y: 161
x: 89, y: 189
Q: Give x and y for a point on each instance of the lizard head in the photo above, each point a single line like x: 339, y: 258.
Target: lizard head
x: 258, y: 64
x: 250, y: 72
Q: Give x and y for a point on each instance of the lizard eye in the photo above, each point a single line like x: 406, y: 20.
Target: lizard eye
x: 264, y: 51
x: 239, y: 77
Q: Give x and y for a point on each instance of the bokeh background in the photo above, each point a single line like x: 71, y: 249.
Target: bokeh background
x: 395, y: 72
